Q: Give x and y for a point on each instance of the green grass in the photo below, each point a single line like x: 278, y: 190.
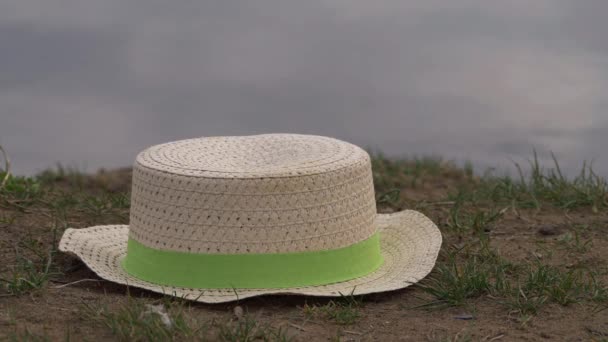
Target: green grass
x: 345, y: 310
x: 476, y: 221
x: 550, y: 283
x: 535, y: 187
x: 28, y: 274
x: 135, y: 321
x: 474, y: 270
x: 524, y: 304
x: 32, y: 264
x: 106, y: 205
x: 575, y: 243
x: 19, y: 191
x: 7, y: 219
x: 453, y: 282
x: 521, y: 287
x: 539, y: 186
x: 100, y: 208
x: 462, y: 273
x: 391, y: 175
x: 565, y: 287
x: 72, y: 176
x: 26, y: 335
x: 248, y: 329
x: 417, y: 167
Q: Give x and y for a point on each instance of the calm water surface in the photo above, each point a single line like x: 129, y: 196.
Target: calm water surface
x: 91, y: 83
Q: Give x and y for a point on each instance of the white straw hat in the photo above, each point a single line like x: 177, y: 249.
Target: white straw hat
x: 217, y: 219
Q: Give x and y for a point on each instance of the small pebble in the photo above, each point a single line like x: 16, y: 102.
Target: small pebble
x: 549, y: 230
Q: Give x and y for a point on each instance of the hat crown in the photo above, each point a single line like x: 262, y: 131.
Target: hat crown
x: 255, y: 156
x: 272, y: 193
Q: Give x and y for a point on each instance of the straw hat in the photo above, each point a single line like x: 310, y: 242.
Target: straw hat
x: 217, y: 219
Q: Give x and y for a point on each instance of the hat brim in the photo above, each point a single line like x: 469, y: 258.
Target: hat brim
x: 409, y: 242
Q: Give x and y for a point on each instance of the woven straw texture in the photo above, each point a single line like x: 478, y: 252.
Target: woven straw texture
x: 273, y: 193
x: 267, y: 193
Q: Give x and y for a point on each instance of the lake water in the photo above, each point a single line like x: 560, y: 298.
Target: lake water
x: 91, y: 83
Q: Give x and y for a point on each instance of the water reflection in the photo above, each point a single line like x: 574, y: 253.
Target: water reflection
x: 93, y: 83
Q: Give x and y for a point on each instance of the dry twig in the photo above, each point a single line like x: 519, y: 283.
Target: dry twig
x: 75, y: 282
x: 296, y: 326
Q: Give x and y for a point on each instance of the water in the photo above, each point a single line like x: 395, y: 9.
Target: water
x: 91, y: 83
